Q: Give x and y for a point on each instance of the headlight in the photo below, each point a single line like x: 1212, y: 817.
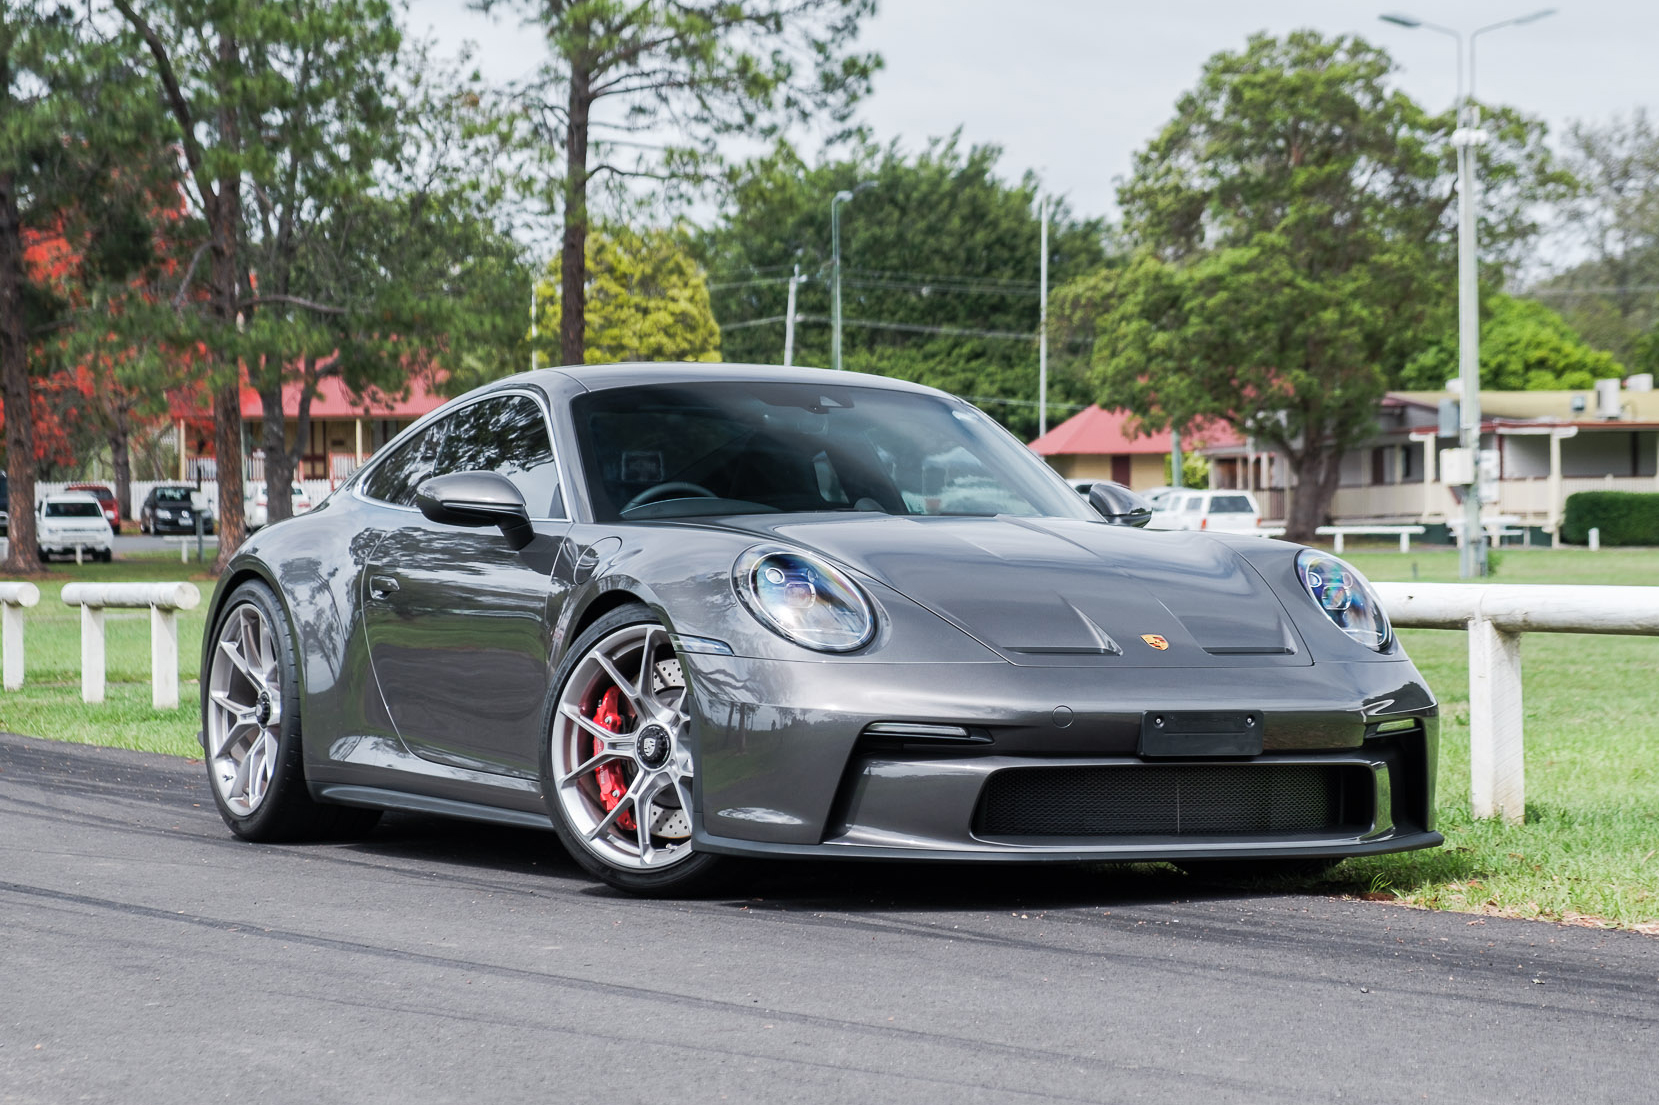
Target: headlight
x: 804, y: 599
x: 1345, y: 597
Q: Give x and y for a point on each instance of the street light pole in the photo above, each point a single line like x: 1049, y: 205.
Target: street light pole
x: 1468, y: 135
x: 835, y: 268
x: 1042, y: 321
x: 789, y: 320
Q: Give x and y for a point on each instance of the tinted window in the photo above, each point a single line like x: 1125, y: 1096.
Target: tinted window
x: 394, y: 479
x: 74, y: 510
x: 1194, y: 504
x: 1230, y: 504
x: 172, y: 494
x: 506, y: 435
x: 721, y: 448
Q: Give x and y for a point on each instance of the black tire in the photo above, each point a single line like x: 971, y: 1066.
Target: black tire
x: 689, y: 873
x: 106, y: 555
x: 282, y: 809
x: 45, y: 556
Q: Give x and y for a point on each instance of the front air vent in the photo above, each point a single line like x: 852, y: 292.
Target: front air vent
x: 1177, y: 800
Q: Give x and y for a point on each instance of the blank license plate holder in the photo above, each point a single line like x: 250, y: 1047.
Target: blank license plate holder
x: 1180, y: 734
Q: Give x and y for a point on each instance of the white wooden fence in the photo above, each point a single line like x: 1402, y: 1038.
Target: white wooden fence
x: 1495, y: 616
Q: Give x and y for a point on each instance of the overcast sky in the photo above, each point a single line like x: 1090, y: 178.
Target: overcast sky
x: 1071, y: 88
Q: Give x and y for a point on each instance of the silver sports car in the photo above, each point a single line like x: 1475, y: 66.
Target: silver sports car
x: 684, y: 613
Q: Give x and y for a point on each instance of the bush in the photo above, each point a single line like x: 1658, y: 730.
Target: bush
x: 1624, y: 517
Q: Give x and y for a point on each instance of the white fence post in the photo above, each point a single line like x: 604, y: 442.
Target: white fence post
x: 1495, y: 615
x: 92, y: 653
x: 164, y: 600
x: 15, y: 596
x: 1497, y: 769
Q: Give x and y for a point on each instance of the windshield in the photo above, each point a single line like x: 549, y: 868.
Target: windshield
x: 74, y: 510
x: 172, y: 495
x: 681, y: 450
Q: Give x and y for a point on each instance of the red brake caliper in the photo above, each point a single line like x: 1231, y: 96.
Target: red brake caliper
x: 612, y: 784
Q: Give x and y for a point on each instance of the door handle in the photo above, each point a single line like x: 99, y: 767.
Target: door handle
x: 381, y: 586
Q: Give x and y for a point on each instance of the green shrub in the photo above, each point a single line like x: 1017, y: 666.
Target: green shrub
x: 1624, y: 517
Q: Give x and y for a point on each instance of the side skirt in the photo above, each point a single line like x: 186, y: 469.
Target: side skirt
x: 377, y: 798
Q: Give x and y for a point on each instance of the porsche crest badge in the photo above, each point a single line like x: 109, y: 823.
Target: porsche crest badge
x: 1155, y: 641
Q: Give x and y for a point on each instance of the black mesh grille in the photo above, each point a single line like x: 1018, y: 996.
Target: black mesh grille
x: 1175, y: 800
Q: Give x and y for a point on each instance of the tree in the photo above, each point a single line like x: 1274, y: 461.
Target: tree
x: 639, y: 88
x: 327, y: 164
x: 1294, y: 225
x: 647, y: 299
x: 1612, y: 298
x: 68, y: 118
x: 940, y: 262
x: 1524, y: 346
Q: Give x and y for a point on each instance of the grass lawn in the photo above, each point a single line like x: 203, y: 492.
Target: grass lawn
x: 1589, y: 849
x: 50, y: 703
x: 1590, y: 845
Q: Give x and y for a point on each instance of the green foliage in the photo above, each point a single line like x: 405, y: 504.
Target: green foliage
x: 1195, y: 471
x: 622, y: 72
x: 1524, y: 346
x: 1610, y: 297
x: 938, y: 241
x: 1294, y: 225
x: 647, y: 300
x: 1624, y: 517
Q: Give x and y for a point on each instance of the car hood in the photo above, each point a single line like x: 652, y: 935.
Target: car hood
x: 1054, y: 592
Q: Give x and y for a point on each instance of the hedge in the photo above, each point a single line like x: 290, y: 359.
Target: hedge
x: 1624, y: 517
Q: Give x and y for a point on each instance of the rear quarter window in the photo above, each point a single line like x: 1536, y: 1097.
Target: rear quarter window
x: 1231, y: 504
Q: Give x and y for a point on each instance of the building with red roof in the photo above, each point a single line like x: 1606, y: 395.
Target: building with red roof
x: 346, y: 427
x: 1109, y: 445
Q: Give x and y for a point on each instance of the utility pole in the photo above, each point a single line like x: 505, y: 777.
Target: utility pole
x: 1042, y: 319
x: 1472, y: 557
x: 1175, y: 458
x: 532, y: 324
x: 789, y: 320
x: 835, y: 265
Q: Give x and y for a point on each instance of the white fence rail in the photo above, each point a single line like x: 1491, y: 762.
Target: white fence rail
x: 15, y: 597
x: 164, y: 601
x: 1495, y: 616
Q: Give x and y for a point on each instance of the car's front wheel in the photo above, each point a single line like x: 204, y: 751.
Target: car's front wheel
x: 251, y: 724
x: 618, y: 765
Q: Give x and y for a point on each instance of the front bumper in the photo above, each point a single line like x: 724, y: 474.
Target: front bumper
x: 787, y: 767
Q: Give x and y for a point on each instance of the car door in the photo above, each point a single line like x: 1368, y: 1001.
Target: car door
x: 458, y: 621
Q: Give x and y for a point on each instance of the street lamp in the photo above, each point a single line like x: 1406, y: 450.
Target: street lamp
x: 835, y: 267
x: 1468, y: 135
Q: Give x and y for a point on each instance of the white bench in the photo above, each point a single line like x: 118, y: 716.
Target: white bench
x: 165, y: 600
x: 1405, y: 533
x: 15, y: 597
x: 1497, y: 527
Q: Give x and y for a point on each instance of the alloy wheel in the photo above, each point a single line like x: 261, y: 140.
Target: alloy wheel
x: 621, y: 769
x: 244, y: 713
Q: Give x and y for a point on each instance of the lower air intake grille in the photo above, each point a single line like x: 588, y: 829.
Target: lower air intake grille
x: 1176, y: 800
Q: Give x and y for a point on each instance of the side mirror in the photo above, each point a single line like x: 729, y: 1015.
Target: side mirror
x: 476, y: 499
x: 1119, y: 505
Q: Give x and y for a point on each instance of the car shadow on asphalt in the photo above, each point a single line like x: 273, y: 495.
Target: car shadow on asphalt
x: 836, y: 885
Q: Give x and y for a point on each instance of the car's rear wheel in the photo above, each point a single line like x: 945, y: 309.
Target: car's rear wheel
x: 617, y: 764
x: 251, y: 721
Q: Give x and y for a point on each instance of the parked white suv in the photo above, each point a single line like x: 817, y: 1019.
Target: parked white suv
x: 1226, y: 511
x: 256, y: 508
x: 73, y: 519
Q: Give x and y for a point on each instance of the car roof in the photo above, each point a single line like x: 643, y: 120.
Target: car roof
x: 71, y: 497
x: 600, y: 377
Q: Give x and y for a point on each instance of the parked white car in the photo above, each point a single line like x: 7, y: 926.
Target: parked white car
x: 73, y: 519
x: 1226, y: 511
x: 256, y: 510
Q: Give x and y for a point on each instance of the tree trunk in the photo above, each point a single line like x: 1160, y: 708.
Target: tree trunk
x: 279, y: 469
x: 224, y: 218
x: 21, y: 556
x: 1318, y: 470
x: 120, y: 456
x: 573, y: 275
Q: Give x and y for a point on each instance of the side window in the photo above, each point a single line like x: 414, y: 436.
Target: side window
x: 1195, y: 504
x: 395, y: 479
x: 506, y: 435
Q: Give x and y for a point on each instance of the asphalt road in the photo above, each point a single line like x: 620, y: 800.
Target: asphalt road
x: 146, y: 956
